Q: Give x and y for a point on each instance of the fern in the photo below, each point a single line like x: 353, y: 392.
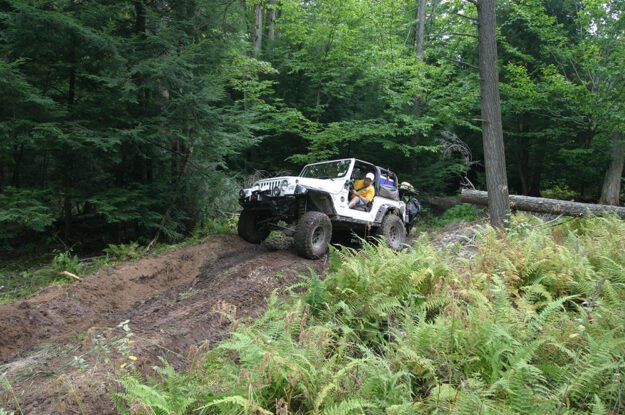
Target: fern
x: 347, y: 407
x: 531, y: 324
x: 598, y: 408
x: 550, y: 309
x: 236, y: 405
x: 316, y: 295
x: 157, y: 401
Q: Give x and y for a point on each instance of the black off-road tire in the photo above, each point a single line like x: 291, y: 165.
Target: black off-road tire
x: 393, y: 231
x: 249, y: 229
x: 313, y: 234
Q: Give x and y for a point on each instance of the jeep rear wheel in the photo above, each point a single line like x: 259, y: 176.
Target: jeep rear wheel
x: 393, y: 231
x: 249, y: 227
x: 312, y: 234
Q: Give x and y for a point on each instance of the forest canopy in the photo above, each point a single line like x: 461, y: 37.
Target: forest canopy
x: 123, y: 119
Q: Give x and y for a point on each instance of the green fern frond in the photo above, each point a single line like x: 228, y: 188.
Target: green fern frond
x: 239, y: 404
x: 551, y: 308
x: 348, y: 407
x: 598, y: 408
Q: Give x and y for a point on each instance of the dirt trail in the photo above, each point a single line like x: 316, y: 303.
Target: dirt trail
x: 62, y: 347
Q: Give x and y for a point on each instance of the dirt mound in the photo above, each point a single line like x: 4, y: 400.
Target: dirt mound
x: 101, y: 299
x: 61, y: 345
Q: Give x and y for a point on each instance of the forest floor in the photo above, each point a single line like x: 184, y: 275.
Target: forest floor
x: 62, y: 349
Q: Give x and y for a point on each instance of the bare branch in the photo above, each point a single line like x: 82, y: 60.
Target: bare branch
x: 457, y: 34
x: 473, y: 19
x: 470, y: 65
x: 453, y: 144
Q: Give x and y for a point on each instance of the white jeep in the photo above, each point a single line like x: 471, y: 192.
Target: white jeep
x: 314, y: 207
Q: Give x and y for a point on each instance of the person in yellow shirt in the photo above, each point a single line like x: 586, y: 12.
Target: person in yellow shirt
x: 363, y: 191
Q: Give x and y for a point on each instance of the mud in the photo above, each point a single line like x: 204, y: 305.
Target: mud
x: 62, y: 349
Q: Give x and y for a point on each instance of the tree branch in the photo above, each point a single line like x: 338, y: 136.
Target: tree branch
x: 473, y: 19
x: 457, y: 62
x: 457, y: 34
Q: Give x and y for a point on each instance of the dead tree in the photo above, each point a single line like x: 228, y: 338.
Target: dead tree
x: 544, y: 205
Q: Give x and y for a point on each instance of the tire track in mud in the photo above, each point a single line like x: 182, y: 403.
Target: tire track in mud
x: 176, y: 304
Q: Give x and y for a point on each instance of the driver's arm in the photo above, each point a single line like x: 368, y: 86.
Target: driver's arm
x: 368, y: 196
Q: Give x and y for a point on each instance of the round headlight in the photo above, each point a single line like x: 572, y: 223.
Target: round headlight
x: 275, y: 191
x: 284, y: 185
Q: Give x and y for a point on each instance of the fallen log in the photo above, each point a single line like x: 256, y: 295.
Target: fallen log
x: 441, y: 204
x: 543, y: 205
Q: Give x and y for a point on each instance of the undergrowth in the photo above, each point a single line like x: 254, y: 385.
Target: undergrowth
x: 463, y: 212
x: 21, y: 278
x: 529, y: 324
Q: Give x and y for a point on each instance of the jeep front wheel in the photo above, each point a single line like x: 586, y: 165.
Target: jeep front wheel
x: 393, y: 230
x: 249, y: 228
x: 312, y: 234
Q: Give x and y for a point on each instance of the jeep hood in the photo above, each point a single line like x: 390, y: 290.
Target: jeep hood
x: 324, y: 185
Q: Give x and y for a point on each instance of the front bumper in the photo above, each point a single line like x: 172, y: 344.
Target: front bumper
x: 276, y: 204
x: 284, y: 206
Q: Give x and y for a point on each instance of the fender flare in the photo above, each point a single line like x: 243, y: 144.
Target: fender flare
x: 386, y: 209
x: 321, y: 201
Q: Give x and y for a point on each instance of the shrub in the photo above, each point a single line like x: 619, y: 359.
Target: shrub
x: 560, y: 192
x: 123, y: 252
x: 66, y: 261
x: 462, y: 212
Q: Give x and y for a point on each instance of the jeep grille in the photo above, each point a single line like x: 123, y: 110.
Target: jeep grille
x: 269, y: 184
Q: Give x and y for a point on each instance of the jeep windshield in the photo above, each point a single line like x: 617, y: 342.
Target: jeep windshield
x: 329, y: 170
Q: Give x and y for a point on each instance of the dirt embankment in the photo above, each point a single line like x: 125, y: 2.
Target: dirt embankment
x: 61, y: 348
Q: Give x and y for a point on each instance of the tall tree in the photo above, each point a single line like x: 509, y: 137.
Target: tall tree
x: 611, y: 189
x: 271, y: 20
x: 258, y: 28
x: 492, y: 130
x: 420, y: 29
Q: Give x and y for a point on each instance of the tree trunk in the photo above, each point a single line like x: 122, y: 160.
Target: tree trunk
x: 258, y: 29
x: 18, y: 155
x: 67, y: 174
x: 544, y: 205
x: 177, y: 190
x: 611, y: 189
x: 67, y: 205
x: 420, y: 30
x: 414, y: 140
x: 492, y: 132
x: 537, y: 167
x: 273, y: 15
x: 523, y: 160
x: 243, y: 6
x: 140, y: 18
